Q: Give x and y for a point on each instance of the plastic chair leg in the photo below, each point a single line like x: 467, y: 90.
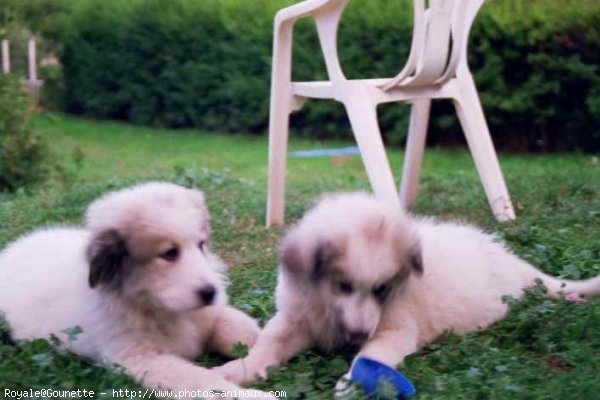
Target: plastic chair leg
x: 280, y: 109
x: 363, y: 118
x: 482, y: 149
x: 415, y: 145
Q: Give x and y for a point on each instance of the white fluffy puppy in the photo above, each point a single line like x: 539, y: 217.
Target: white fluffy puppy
x: 140, y: 282
x: 355, y: 270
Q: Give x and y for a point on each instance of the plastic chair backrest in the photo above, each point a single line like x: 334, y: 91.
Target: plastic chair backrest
x: 439, y: 43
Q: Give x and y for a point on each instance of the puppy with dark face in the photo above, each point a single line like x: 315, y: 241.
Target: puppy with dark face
x: 354, y: 270
x: 346, y: 268
x: 339, y: 268
x: 141, y: 283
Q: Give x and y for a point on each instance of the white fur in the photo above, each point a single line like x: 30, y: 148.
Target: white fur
x: 151, y: 320
x: 466, y: 272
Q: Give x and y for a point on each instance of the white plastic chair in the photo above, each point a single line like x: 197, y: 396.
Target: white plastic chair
x: 436, y: 68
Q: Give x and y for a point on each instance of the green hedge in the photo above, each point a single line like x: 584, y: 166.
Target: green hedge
x: 181, y: 63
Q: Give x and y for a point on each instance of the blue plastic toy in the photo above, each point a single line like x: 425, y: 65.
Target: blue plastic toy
x: 369, y: 373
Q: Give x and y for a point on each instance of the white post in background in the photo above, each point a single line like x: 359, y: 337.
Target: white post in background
x: 5, y: 57
x: 33, y: 84
x: 32, y: 61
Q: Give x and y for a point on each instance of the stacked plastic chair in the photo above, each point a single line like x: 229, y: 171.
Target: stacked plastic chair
x: 436, y: 69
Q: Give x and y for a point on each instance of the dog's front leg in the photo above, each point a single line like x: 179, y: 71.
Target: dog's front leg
x: 390, y: 346
x: 387, y: 346
x: 282, y: 338
x: 183, y: 378
x: 229, y: 327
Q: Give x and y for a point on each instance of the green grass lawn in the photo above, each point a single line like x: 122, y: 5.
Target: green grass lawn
x: 543, y: 350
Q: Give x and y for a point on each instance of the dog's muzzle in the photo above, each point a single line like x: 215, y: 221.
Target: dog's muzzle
x: 207, y: 294
x: 356, y: 337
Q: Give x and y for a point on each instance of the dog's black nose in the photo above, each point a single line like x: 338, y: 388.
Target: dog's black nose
x: 357, y: 337
x: 207, y: 294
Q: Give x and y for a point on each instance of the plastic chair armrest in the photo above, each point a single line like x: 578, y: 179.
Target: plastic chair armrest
x: 301, y: 10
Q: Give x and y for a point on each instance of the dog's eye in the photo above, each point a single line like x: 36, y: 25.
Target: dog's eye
x: 345, y: 287
x: 170, y: 255
x: 381, y: 291
x: 202, y: 245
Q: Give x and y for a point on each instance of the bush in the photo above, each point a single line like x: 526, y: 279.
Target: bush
x: 207, y: 64
x: 23, y: 156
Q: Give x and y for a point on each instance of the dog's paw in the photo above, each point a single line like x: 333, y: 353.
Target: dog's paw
x: 574, y: 297
x: 242, y: 370
x: 234, y: 371
x: 249, y: 330
x: 344, y: 388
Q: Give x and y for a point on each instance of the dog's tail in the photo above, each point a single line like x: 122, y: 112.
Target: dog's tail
x: 562, y: 287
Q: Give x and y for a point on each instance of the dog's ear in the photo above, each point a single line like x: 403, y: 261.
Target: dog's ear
x: 107, y: 256
x: 415, y: 256
x: 407, y: 244
x: 290, y: 255
x: 323, y: 256
x: 310, y: 259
